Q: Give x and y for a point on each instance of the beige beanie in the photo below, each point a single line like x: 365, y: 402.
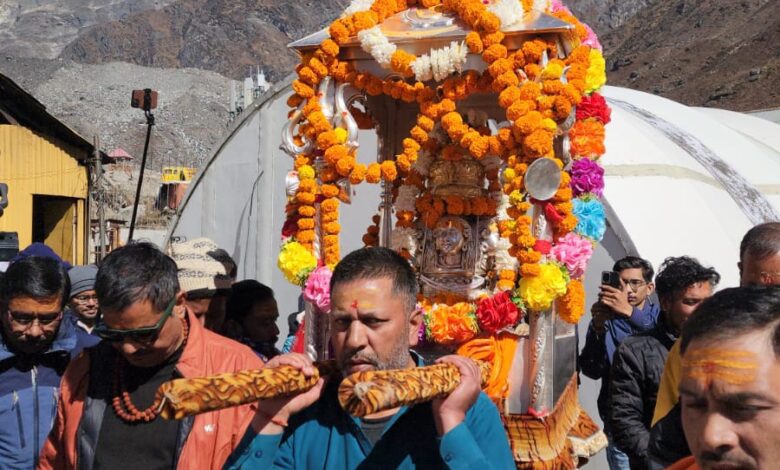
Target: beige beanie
x: 200, y: 272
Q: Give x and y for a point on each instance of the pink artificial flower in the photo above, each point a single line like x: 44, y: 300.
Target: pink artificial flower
x: 317, y: 289
x: 573, y: 251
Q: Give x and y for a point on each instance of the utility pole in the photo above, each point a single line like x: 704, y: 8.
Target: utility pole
x: 101, y: 201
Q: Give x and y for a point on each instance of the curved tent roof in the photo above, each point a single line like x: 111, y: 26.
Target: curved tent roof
x: 679, y: 180
x: 683, y: 180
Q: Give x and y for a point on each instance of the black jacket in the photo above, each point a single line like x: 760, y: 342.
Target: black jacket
x: 634, y: 378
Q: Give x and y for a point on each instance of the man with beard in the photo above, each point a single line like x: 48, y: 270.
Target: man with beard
x: 730, y: 381
x: 373, y: 322
x: 35, y: 349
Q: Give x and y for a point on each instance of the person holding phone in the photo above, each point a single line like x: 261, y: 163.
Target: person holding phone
x: 624, y: 308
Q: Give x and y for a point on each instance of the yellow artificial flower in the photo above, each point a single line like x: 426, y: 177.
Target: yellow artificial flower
x: 596, y: 76
x: 539, y: 292
x: 296, y: 262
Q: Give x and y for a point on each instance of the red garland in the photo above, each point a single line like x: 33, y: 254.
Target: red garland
x: 594, y: 106
x: 494, y: 313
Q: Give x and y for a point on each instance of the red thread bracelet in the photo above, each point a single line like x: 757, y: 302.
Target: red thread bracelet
x: 273, y: 419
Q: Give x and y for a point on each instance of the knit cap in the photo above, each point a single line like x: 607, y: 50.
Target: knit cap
x: 200, y: 272
x: 82, y: 278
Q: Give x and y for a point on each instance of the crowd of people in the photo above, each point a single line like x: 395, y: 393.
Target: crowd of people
x: 637, y: 350
x: 690, y: 378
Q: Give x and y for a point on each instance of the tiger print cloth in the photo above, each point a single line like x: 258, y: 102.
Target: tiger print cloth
x: 366, y: 393
x: 360, y: 394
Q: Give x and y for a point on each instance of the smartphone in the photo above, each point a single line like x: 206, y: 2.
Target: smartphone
x: 611, y: 278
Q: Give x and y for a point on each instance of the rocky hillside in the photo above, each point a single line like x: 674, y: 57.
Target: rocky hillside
x: 95, y: 100
x: 700, y: 52
x: 225, y: 36
x: 42, y: 28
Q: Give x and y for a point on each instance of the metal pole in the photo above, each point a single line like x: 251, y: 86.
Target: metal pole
x: 101, y: 202
x: 149, y: 124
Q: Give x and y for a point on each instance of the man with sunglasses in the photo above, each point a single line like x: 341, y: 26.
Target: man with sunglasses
x: 35, y: 348
x: 108, y: 411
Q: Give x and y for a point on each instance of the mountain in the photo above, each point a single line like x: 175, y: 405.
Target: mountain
x: 225, y: 36
x: 42, y: 28
x: 700, y: 52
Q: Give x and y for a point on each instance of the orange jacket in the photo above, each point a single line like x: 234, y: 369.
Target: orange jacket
x: 688, y: 463
x: 213, y: 436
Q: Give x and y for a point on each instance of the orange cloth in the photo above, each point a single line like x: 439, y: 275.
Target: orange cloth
x: 668, y: 389
x: 214, y: 435
x: 499, y: 351
x: 688, y: 463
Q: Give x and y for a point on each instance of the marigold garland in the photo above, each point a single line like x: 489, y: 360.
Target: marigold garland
x: 535, y: 97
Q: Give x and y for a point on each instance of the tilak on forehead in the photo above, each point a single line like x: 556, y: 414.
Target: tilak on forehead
x: 734, y: 367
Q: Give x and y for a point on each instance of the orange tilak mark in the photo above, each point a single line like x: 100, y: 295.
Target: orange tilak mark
x: 729, y: 366
x: 354, y: 304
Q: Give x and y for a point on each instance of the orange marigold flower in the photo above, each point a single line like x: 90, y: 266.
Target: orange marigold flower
x: 335, y: 153
x: 345, y: 165
x: 364, y: 20
x: 305, y: 197
x: 330, y: 190
x: 302, y: 89
x: 374, y: 86
x: 504, y: 80
x: 451, y: 119
x: 474, y: 42
x: 571, y: 306
x: 305, y: 236
x: 306, y: 211
x: 307, y: 75
x: 389, y: 171
x: 339, y: 32
x: 330, y: 47
x: 419, y: 135
x: 494, y: 52
x: 470, y: 137
x: 305, y: 224
x: 530, y: 91
x: 307, y: 186
x: 530, y: 270
x: 425, y: 123
x: 492, y: 38
x: 327, y: 140
x: 331, y: 228
x: 401, y: 62
x: 507, y: 97
x: 538, y: 143
x: 528, y: 122
x: 373, y: 173
x: 499, y: 67
x: 479, y: 147
x: 358, y: 173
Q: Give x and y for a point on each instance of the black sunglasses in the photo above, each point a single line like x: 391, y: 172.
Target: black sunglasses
x: 146, y: 334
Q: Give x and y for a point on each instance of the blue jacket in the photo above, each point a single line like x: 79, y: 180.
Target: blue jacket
x: 29, y: 388
x: 324, y: 436
x: 596, y: 357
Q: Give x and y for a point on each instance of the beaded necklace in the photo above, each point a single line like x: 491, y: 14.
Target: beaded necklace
x: 123, y: 404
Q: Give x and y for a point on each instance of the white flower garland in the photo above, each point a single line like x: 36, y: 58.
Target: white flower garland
x: 357, y: 6
x: 508, y: 12
x: 374, y: 42
x: 438, y: 64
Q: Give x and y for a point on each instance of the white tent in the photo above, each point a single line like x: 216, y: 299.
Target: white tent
x: 679, y: 180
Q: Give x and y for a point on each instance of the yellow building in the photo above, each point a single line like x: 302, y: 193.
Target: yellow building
x: 43, y: 164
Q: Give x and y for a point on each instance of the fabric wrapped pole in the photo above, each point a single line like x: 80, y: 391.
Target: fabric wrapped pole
x: 370, y: 392
x: 186, y: 397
